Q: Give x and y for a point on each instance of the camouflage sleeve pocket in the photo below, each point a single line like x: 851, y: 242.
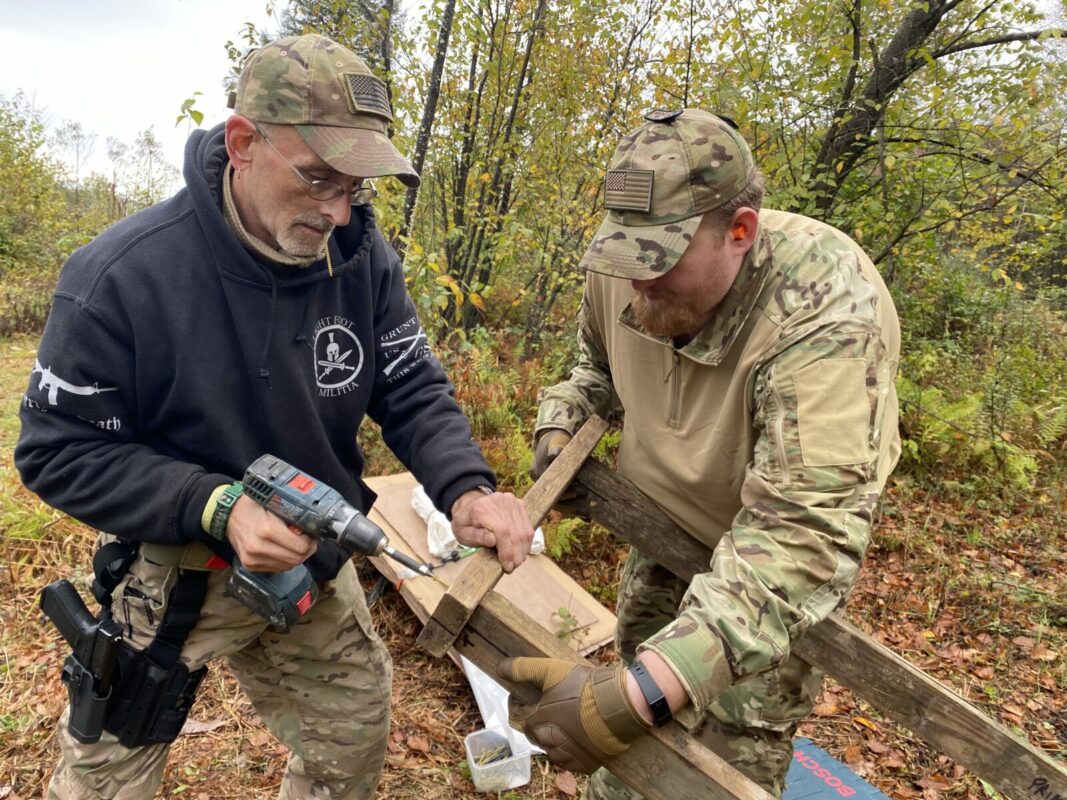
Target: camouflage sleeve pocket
x: 833, y: 412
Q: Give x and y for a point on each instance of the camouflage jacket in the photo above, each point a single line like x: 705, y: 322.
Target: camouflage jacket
x: 769, y: 437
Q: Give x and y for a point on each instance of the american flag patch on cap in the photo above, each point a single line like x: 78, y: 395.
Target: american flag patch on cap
x: 368, y: 94
x: 628, y: 190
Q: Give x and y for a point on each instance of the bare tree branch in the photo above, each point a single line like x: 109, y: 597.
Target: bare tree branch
x: 1027, y: 36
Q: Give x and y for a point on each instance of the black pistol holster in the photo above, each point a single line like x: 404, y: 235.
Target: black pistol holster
x: 154, y: 691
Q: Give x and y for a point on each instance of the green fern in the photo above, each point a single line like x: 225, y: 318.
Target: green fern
x: 1051, y: 423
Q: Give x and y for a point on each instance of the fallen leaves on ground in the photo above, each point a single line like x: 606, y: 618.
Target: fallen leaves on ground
x: 567, y: 783
x: 985, y: 619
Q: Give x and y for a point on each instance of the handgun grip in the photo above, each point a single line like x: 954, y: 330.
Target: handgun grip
x: 95, y: 642
x: 89, y: 671
x: 62, y: 604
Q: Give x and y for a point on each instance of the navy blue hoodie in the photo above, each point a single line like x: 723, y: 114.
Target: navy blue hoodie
x: 173, y: 358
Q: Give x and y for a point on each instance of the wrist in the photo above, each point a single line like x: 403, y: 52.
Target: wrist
x: 210, y: 506
x: 470, y: 496
x: 637, y: 698
x: 652, y: 705
x: 224, y: 502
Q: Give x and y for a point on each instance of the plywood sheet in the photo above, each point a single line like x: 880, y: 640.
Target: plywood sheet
x: 538, y: 587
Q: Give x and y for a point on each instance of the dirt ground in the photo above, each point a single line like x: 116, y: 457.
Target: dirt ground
x: 971, y: 592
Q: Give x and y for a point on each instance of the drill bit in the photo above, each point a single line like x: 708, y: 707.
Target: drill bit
x: 411, y: 563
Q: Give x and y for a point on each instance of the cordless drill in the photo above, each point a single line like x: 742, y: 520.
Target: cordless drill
x: 319, y: 511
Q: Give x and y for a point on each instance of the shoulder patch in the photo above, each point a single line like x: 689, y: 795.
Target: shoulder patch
x: 833, y: 412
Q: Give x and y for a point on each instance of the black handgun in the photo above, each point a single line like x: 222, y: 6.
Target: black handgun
x: 89, y: 671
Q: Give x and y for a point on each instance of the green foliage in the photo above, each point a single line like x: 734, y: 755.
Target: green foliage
x: 963, y: 157
x: 562, y: 538
x: 48, y: 208
x: 31, y: 200
x: 983, y: 381
x: 567, y: 623
x: 189, y: 113
x: 24, y: 304
x: 363, y: 27
x: 523, y: 127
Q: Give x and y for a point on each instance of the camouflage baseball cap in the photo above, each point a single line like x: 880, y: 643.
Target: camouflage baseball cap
x: 336, y: 104
x: 663, y: 177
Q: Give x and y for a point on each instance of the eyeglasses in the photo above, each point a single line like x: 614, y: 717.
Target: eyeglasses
x: 320, y: 188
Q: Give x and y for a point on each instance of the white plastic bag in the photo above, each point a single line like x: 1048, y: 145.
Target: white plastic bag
x: 439, y: 537
x: 492, y: 700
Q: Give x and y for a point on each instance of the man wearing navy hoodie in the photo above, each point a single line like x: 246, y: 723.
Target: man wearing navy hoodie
x: 259, y: 310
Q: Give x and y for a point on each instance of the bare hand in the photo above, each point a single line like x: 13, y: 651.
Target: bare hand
x: 263, y: 542
x: 494, y: 520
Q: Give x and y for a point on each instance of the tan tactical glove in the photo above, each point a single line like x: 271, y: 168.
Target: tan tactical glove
x: 584, y: 716
x: 549, y: 445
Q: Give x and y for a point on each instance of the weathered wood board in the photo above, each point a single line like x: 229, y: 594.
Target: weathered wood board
x: 666, y: 765
x: 892, y: 685
x: 483, y: 571
x: 538, y: 587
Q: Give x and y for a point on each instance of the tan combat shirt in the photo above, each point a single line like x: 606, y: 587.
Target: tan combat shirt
x: 769, y: 438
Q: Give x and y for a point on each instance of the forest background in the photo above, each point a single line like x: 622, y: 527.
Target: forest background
x: 934, y: 133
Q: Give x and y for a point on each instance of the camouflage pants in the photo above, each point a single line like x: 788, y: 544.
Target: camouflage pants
x: 323, y: 689
x: 750, y: 726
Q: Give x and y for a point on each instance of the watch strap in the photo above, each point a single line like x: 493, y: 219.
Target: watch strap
x: 223, y: 506
x: 661, y: 710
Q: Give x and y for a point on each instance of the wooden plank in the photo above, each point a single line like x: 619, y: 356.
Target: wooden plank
x: 926, y: 707
x: 888, y: 682
x: 458, y: 603
x: 483, y: 569
x: 555, y: 480
x: 539, y: 586
x: 665, y: 765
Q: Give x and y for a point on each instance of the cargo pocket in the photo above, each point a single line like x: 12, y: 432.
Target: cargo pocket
x: 140, y: 600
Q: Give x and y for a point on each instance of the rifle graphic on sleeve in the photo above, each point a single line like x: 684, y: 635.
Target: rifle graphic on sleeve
x: 52, y: 383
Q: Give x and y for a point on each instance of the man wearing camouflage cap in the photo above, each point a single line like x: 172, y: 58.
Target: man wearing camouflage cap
x: 753, y: 354
x: 257, y: 311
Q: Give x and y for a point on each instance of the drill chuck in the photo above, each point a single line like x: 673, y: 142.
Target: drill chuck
x: 355, y: 532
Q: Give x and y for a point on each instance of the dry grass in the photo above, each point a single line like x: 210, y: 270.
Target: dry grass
x: 974, y: 596
x: 234, y: 756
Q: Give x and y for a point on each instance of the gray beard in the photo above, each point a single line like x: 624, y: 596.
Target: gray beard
x: 299, y: 246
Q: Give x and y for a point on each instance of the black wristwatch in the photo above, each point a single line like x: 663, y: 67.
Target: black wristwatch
x: 661, y: 711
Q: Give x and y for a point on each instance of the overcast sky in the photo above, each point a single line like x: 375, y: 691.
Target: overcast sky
x: 120, y: 66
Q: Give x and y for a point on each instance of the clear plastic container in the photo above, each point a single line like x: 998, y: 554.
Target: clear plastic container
x: 501, y: 773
